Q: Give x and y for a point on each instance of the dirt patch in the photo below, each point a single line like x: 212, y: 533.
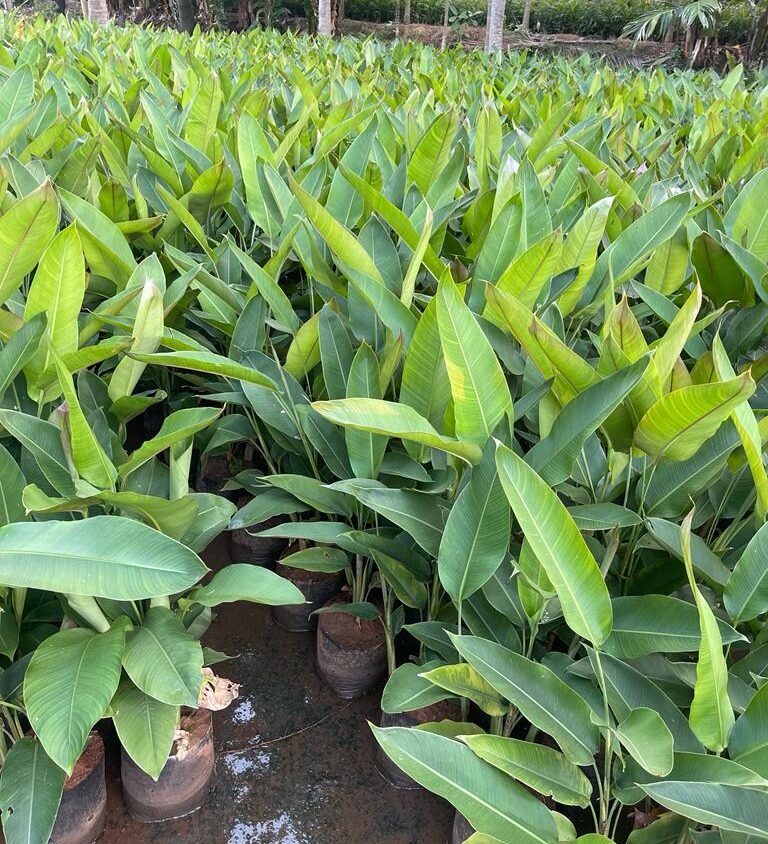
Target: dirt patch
x: 348, y: 631
x: 621, y: 49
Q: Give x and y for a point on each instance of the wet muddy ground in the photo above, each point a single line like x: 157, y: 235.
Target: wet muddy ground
x: 294, y: 763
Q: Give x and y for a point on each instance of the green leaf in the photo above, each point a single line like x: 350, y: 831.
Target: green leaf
x: 106, y: 249
x: 407, y: 689
x: 541, y: 768
x: 559, y: 547
x: 480, y: 392
x: 164, y: 660
x: 243, y: 582
x: 30, y: 791
x: 20, y: 349
x: 57, y: 290
x: 365, y: 450
x: 317, y: 559
x: 418, y: 513
x: 746, y: 592
x: 25, y: 231
x: 647, y: 624
x: 177, y: 427
x: 88, y: 455
x: 476, y: 536
x: 540, y: 695
x: 43, y: 441
x: 104, y: 556
x: 68, y: 686
x: 555, y: 455
x: 393, y: 420
x: 209, y: 363
x: 744, y: 419
x: 648, y: 740
x: 748, y: 743
x: 490, y: 801
x: 12, y: 485
x: 146, y: 727
x: 678, y: 424
x: 465, y: 681
x: 729, y: 807
x: 711, y: 714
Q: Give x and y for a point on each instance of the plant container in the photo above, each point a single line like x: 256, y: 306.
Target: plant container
x: 351, y: 652
x: 83, y: 809
x: 184, y: 782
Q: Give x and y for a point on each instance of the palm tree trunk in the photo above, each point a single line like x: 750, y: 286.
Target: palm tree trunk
x: 98, y: 11
x: 495, y: 26
x: 444, y: 38
x: 185, y: 11
x: 324, y: 24
x: 526, y: 24
x: 407, y: 12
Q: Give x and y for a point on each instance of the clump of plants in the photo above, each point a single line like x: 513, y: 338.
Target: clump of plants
x: 479, y: 343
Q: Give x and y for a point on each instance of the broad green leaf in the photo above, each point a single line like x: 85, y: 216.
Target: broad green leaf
x: 68, y: 686
x: 407, y: 689
x: 559, y: 547
x: 678, y: 424
x: 730, y: 807
x: 210, y: 363
x: 476, y: 536
x: 365, y: 449
x: 748, y: 743
x: 43, y: 441
x: 540, y: 695
x: 466, y: 682
x: 648, y: 740
x: 243, y: 582
x: 164, y: 660
x: 746, y: 592
x: 146, y: 727
x: 647, y: 624
x: 490, y: 801
x: 555, y: 455
x: 88, y: 455
x: 176, y: 428
x: 25, y: 232
x: 393, y: 420
x: 480, y: 393
x: 541, y: 768
x: 57, y: 290
x: 103, y: 556
x: 106, y: 249
x: 30, y: 791
x: 711, y: 714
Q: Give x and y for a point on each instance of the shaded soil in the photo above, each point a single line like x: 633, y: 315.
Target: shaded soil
x: 90, y: 758
x: 294, y: 764
x: 618, y: 49
x: 347, y: 630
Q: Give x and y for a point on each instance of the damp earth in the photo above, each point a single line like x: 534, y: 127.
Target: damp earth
x: 294, y: 764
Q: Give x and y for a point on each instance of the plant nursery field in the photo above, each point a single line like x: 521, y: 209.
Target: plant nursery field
x: 463, y: 359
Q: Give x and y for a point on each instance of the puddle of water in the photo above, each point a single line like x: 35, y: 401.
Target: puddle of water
x: 280, y: 830
x: 244, y: 712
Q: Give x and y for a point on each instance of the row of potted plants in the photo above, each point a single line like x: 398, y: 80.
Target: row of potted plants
x: 478, y: 368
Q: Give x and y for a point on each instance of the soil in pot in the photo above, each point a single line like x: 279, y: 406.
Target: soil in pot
x: 444, y: 710
x: 185, y: 781
x: 462, y: 829
x: 244, y: 547
x: 316, y: 586
x: 351, y: 652
x: 83, y: 809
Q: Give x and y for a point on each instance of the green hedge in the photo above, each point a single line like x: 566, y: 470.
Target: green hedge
x: 595, y: 18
